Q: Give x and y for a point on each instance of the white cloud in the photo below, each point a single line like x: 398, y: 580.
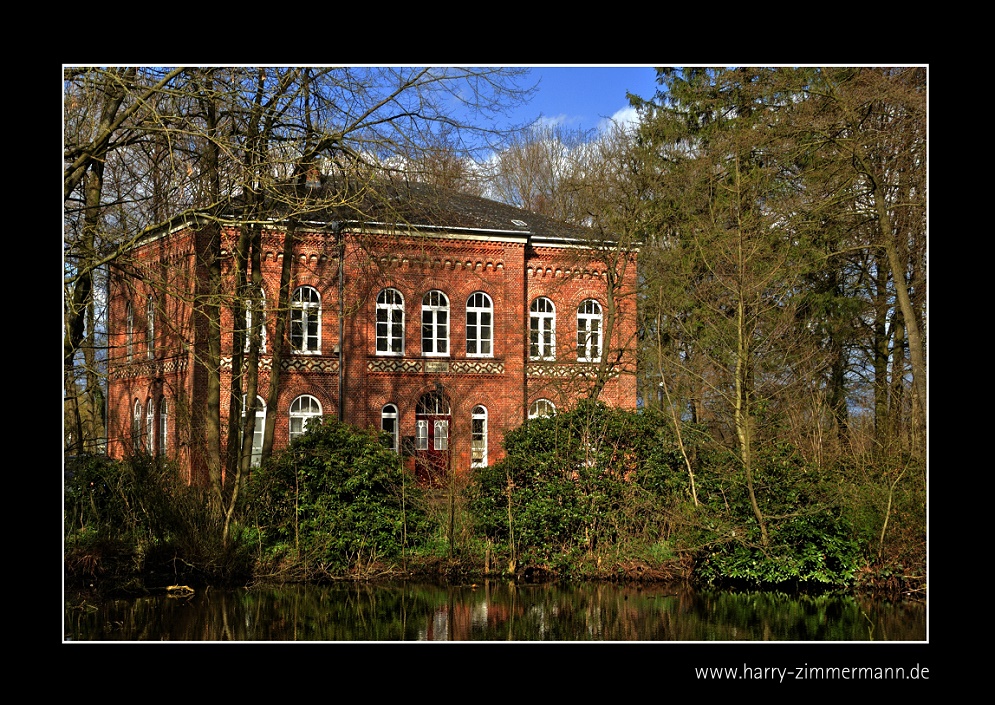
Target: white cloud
x: 627, y: 117
x: 554, y: 120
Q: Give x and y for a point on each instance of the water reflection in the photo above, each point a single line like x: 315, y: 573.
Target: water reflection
x: 492, y: 612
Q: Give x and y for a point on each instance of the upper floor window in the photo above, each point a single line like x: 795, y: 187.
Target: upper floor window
x: 129, y: 331
x: 388, y: 423
x: 258, y: 429
x: 542, y: 330
x: 255, y: 312
x: 435, y: 324
x: 150, y: 327
x: 303, y: 409
x: 589, y: 331
x: 390, y: 322
x: 540, y: 408
x: 163, y: 425
x: 305, y: 320
x: 478, y: 436
x: 479, y: 325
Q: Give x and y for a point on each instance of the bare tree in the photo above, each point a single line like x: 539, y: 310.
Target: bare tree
x: 230, y: 148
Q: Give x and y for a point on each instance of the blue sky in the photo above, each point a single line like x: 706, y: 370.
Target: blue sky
x: 581, y: 97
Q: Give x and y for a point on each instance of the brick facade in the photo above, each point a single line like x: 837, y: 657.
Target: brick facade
x: 497, y: 376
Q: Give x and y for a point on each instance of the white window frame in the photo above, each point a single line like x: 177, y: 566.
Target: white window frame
x: 130, y: 331
x: 478, y: 436
x: 541, y: 408
x: 252, y: 306
x: 163, y: 425
x: 299, y: 413
x: 258, y: 430
x: 388, y: 424
x: 479, y: 325
x: 542, y: 324
x: 302, y: 312
x: 390, y: 330
x: 150, y: 327
x: 150, y: 426
x: 590, y: 331
x: 441, y: 438
x: 136, y: 426
x: 421, y: 434
x: 435, y: 324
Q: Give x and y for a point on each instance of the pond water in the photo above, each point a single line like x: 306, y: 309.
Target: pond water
x: 492, y: 611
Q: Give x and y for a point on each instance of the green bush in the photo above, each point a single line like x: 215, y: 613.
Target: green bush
x: 127, y: 501
x: 607, y: 483
x: 580, y: 483
x: 134, y: 523
x: 809, y: 540
x: 335, y: 500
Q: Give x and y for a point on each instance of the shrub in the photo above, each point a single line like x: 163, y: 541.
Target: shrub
x: 135, y: 523
x: 335, y: 500
x: 579, y: 482
x: 808, y: 540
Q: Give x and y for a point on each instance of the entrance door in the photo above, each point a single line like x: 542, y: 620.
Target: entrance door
x: 432, y: 425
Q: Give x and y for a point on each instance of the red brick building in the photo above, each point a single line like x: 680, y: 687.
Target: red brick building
x: 445, y: 326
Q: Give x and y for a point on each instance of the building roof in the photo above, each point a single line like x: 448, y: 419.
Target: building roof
x: 419, y: 205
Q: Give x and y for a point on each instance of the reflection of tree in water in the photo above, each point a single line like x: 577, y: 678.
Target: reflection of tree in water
x: 493, y: 611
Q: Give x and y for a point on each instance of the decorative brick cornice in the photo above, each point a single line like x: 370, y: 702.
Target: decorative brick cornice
x: 563, y: 272
x: 148, y: 368
x: 436, y: 366
x: 442, y: 262
x: 310, y: 363
x: 587, y: 370
x: 297, y: 363
x: 388, y: 364
x: 478, y: 367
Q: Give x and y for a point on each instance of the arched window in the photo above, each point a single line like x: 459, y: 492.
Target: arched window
x: 478, y: 436
x: 388, y: 423
x: 435, y: 324
x: 136, y: 426
x: 540, y: 408
x: 390, y: 322
x: 130, y: 331
x: 542, y: 330
x: 150, y: 327
x: 163, y: 426
x: 589, y: 331
x: 258, y: 429
x: 150, y: 426
x: 255, y: 312
x: 479, y: 325
x: 302, y: 410
x: 305, y: 320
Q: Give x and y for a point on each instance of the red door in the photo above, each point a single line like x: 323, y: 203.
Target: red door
x: 433, y: 423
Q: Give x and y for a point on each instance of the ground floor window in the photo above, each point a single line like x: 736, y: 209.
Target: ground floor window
x: 258, y: 430
x: 163, y: 425
x: 479, y: 436
x: 541, y: 407
x: 136, y: 426
x: 388, y: 424
x: 150, y: 426
x: 302, y: 411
